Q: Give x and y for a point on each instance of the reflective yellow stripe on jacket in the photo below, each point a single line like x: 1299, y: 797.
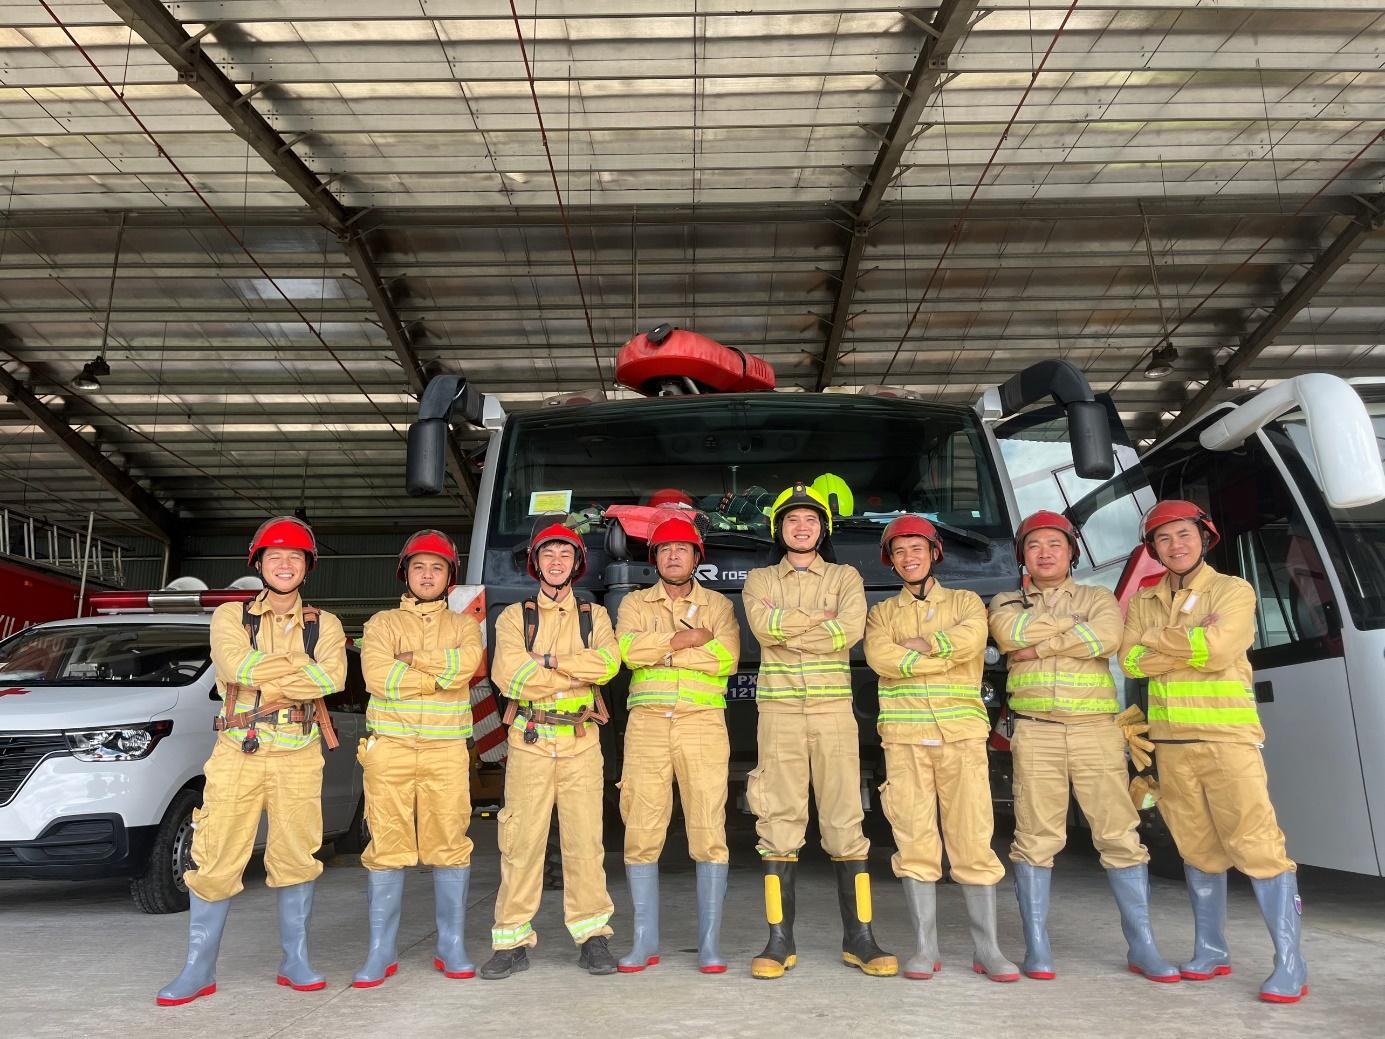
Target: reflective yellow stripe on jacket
x: 1201, y: 683
x: 933, y: 696
x: 694, y: 677
x: 1075, y: 629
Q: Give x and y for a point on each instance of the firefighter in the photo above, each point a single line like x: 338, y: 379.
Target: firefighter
x: 807, y: 613
x: 418, y: 661
x: 681, y: 641
x: 927, y: 644
x: 1059, y: 636
x: 552, y: 652
x: 275, y: 659
x: 1189, y: 635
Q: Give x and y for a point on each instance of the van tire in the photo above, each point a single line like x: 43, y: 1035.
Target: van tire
x: 159, y: 888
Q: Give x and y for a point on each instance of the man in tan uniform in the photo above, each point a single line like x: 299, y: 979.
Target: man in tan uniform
x: 551, y: 655
x: 418, y: 661
x: 1060, y: 636
x: 1189, y: 635
x: 275, y: 660
x: 807, y: 613
x: 681, y: 641
x: 927, y: 644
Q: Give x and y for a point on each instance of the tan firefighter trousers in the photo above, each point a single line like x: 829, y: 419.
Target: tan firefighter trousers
x: 662, y: 744
x: 417, y: 802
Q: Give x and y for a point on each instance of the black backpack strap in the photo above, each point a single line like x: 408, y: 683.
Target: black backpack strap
x: 251, y: 622
x: 584, y: 619
x: 312, y: 627
x: 531, y: 624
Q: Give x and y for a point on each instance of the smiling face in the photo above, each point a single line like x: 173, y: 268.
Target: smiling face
x: 1178, y: 545
x: 1047, y: 556
x: 802, y: 530
x: 427, y: 576
x: 675, y: 561
x: 556, y: 560
x: 911, y: 555
x: 283, y: 569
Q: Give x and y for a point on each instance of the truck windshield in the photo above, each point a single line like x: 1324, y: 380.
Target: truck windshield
x: 730, y: 455
x: 105, y: 655
x: 1355, y: 538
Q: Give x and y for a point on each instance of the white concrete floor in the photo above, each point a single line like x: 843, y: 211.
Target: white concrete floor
x: 79, y: 959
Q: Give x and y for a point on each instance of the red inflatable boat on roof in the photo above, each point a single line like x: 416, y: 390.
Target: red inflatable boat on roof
x: 668, y: 361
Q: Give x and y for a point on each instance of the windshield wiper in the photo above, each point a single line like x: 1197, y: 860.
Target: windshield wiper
x: 970, y: 537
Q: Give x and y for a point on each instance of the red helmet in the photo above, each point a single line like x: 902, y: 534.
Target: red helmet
x: 669, y: 496
x: 284, y: 532
x: 676, y: 530
x: 558, y: 532
x: 1176, y: 509
x: 910, y: 526
x: 1045, y: 520
x: 435, y: 542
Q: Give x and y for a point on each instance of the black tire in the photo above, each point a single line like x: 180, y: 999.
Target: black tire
x: 357, y: 837
x: 160, y: 888
x: 1164, y: 860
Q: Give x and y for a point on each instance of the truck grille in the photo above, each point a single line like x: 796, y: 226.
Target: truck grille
x: 20, y: 754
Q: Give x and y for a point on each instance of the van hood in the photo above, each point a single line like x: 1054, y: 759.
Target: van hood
x: 45, y: 708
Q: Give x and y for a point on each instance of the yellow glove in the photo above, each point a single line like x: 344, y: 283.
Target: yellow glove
x: 1132, y: 724
x: 1144, y: 792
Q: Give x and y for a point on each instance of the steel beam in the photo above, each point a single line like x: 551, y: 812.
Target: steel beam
x: 153, y: 22
x: 153, y: 511
x: 1366, y: 223
x: 950, y: 23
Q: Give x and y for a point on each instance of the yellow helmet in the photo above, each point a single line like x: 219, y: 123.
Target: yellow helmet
x: 836, y: 493
x: 799, y: 496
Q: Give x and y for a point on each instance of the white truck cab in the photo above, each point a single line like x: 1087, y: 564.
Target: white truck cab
x: 105, y: 724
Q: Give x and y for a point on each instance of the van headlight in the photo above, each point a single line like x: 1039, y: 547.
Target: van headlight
x: 122, y: 743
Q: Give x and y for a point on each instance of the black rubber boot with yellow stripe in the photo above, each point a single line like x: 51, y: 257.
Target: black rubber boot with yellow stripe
x: 858, y: 943
x: 779, y: 955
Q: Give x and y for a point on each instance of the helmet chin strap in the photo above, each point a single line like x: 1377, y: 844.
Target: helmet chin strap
x: 259, y: 568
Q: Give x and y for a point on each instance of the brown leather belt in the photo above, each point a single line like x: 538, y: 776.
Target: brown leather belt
x: 304, y: 714
x: 597, y: 714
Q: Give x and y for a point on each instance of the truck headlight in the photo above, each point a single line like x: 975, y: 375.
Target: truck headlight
x: 121, y: 743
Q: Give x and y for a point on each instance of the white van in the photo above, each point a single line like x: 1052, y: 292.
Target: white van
x: 105, y: 724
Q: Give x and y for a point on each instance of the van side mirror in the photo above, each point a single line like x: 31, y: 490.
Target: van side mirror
x: 1089, y: 433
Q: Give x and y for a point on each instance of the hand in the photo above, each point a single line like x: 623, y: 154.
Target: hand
x: 1079, y: 618
x: 922, y: 644
x: 1027, y: 653
x: 829, y: 615
x: 690, y: 638
x: 1211, y: 620
x: 404, y: 658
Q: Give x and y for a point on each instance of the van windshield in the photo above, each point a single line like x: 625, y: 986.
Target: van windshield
x: 730, y: 455
x: 1355, y: 538
x: 106, y: 655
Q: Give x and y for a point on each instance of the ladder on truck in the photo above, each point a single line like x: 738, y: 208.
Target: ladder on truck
x: 33, y: 540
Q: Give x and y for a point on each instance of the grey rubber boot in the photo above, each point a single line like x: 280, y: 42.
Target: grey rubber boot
x: 711, y: 894
x: 1211, y: 956
x: 450, y: 885
x: 384, y: 897
x: 987, y: 958
x: 1031, y: 891
x: 644, y: 892
x: 295, y: 906
x: 922, y: 897
x: 1283, y: 912
x: 206, y: 921
x: 1131, y: 888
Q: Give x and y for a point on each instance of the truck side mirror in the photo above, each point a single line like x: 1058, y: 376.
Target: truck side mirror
x: 426, y: 465
x: 1089, y: 433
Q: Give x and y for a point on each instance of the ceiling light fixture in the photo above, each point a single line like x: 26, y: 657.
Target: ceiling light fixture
x: 1161, y: 361
x: 89, y: 381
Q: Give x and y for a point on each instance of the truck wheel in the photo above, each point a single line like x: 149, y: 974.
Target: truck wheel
x: 1164, y: 860
x: 160, y: 888
x: 355, y: 839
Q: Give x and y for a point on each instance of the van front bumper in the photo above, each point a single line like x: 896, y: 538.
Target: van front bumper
x: 79, y: 847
